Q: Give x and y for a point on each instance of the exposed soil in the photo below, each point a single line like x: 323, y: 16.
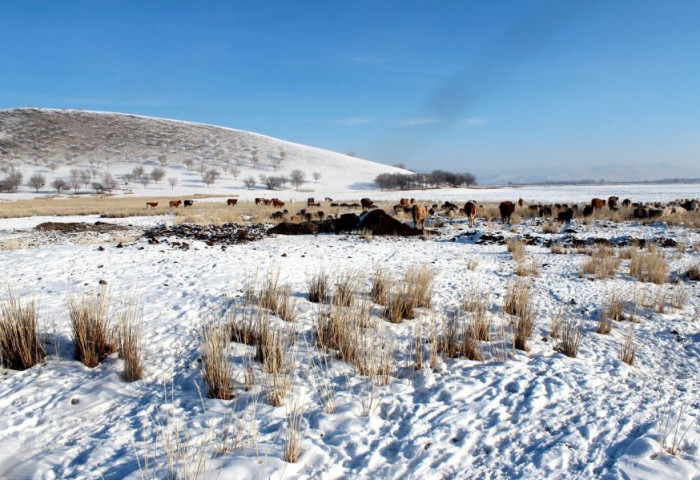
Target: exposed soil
x: 80, y: 227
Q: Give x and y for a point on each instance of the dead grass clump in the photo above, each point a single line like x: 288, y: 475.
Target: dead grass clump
x: 90, y: 323
x: 473, y: 263
x: 449, y: 340
x: 10, y: 244
x: 571, y: 337
x: 612, y: 311
x: 679, y: 298
x: 292, y: 439
x: 345, y: 288
x: 399, y: 305
x: 129, y: 346
x: 555, y: 323
x: 319, y: 286
x: 380, y: 286
x: 469, y: 346
x: 277, y: 297
x: 602, y: 264
x: 517, y: 302
x: 20, y: 348
x: 278, y: 363
x: 527, y: 268
x: 516, y: 247
x: 660, y: 300
x: 629, y: 349
x: 557, y: 249
x: 649, y: 266
x: 217, y: 370
x: 550, y: 227
x: 420, y: 280
x: 477, y: 304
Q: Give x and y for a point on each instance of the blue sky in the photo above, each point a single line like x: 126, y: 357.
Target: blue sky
x: 507, y: 90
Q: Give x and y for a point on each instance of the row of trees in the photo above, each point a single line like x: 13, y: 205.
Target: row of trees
x: 296, y: 177
x: 436, y: 178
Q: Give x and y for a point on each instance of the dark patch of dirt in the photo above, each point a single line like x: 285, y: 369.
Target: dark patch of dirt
x: 79, y: 227
x: 226, y: 234
x: 288, y: 228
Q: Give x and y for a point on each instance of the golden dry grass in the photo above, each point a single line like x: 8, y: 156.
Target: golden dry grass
x: 649, y: 265
x: 19, y: 337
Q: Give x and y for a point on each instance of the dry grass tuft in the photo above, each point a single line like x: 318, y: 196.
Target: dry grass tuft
x: 129, y: 345
x: 629, y: 349
x: 550, y: 227
x: 649, y: 266
x: 527, y: 268
x: 517, y: 248
x: 679, y: 298
x: 277, y: 297
x: 477, y: 304
x: 420, y: 280
x: 694, y: 273
x: 217, y: 370
x: 319, y: 284
x: 345, y: 289
x: 571, y: 337
x: 20, y: 348
x: 473, y: 263
x: 555, y: 322
x: 380, y: 286
x: 278, y: 363
x: 518, y: 302
x: 399, y: 306
x: 602, y: 264
x: 292, y: 438
x: 89, y: 316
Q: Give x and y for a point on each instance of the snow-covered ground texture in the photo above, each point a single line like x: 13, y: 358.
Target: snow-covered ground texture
x: 54, y: 142
x: 515, y: 414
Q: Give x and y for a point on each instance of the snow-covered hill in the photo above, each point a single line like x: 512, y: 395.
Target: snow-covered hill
x: 53, y: 142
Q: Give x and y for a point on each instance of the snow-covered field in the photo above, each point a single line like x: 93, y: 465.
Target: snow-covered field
x: 538, y: 414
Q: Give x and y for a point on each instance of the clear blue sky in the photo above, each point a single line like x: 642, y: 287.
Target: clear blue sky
x: 518, y: 88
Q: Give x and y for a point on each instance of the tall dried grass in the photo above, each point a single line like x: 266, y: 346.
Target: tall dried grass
x: 629, y: 349
x: 649, y: 266
x: 91, y: 325
x: 602, y: 264
x: 20, y: 347
x: 380, y: 286
x: 319, y: 286
x: 129, y: 340
x: 571, y: 337
x: 516, y: 247
x: 217, y: 369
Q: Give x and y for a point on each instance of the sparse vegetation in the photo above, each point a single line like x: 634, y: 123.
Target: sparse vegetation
x: 91, y: 326
x: 649, y: 265
x: 602, y: 264
x: 20, y: 347
x: 217, y: 369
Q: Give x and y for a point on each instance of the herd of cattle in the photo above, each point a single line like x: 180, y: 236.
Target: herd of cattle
x: 419, y: 213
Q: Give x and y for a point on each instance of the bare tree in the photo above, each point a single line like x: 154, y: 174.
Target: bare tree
x: 11, y: 182
x: 85, y: 177
x: 173, y: 181
x: 276, y: 163
x: 250, y: 182
x: 272, y: 182
x: 37, y: 181
x: 75, y: 179
x: 189, y: 162
x: 144, y: 180
x: 52, y: 166
x: 235, y: 171
x: 138, y: 171
x: 297, y: 177
x: 108, y: 182
x: 317, y: 176
x: 210, y: 176
x: 157, y: 174
x: 162, y: 160
x: 255, y: 159
x: 60, y: 184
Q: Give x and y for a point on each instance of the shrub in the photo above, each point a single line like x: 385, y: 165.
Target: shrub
x: 399, y: 305
x: 420, y: 281
x: 20, y: 348
x: 602, y: 264
x: 517, y: 302
x: 346, y: 286
x: 89, y: 316
x: 526, y: 268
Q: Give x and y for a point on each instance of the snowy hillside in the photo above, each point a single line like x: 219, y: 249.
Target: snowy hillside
x: 54, y: 142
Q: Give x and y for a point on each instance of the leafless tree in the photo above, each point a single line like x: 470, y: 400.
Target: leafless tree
x: 235, y: 171
x: 60, y: 184
x: 108, y: 182
x: 250, y: 182
x: 75, y: 179
x: 317, y: 176
x: 173, y: 181
x: 297, y: 177
x: 157, y: 174
x: 85, y: 177
x: 37, y: 181
x: 210, y: 176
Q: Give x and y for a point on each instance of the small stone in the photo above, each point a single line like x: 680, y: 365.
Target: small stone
x: 119, y: 245
x: 101, y: 248
x: 284, y: 254
x: 103, y: 282
x: 74, y: 401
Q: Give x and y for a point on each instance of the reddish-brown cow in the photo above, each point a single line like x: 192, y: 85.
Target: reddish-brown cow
x: 277, y: 203
x: 366, y: 204
x: 597, y: 203
x: 151, y: 205
x: 175, y: 203
x: 403, y: 202
x: 231, y: 202
x: 612, y: 202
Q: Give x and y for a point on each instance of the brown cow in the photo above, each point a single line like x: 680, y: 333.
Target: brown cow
x: 277, y: 203
x: 329, y: 199
x: 403, y: 202
x: 412, y: 201
x: 267, y: 202
x: 420, y: 213
x: 521, y: 202
x: 366, y: 203
x: 151, y: 205
x: 598, y: 203
x: 470, y: 209
x: 175, y: 203
x: 626, y: 203
x: 310, y: 202
x: 506, y: 208
x: 612, y: 202
x: 231, y: 202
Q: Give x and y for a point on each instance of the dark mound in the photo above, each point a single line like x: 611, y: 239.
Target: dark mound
x: 76, y: 227
x: 379, y: 223
x: 288, y: 228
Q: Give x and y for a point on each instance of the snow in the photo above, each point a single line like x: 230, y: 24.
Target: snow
x: 539, y: 414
